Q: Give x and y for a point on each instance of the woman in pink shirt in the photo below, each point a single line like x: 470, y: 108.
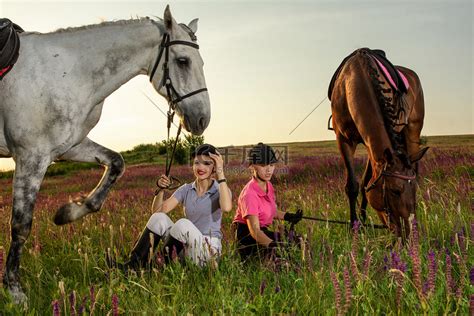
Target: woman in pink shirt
x: 257, y: 207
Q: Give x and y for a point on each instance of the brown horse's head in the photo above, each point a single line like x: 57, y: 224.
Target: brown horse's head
x: 392, y: 190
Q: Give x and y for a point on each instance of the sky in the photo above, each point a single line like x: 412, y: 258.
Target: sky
x: 268, y: 63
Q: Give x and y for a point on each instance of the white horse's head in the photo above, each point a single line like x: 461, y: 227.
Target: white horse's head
x: 185, y: 73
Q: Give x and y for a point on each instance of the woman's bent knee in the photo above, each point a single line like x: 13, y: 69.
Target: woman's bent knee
x: 159, y: 223
x: 185, y: 231
x: 183, y: 225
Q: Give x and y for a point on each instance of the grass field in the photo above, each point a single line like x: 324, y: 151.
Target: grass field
x: 63, y: 269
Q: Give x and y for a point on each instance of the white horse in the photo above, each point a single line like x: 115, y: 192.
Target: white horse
x: 54, y: 95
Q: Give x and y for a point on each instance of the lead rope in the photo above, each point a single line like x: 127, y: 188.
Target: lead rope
x: 332, y: 221
x: 169, y: 159
x: 168, y: 165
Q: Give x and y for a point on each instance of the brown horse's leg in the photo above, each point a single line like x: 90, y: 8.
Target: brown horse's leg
x: 412, y: 137
x: 347, y: 149
x: 365, y: 181
x: 415, y: 124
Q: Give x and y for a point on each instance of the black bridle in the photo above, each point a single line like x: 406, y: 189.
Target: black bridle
x: 382, y: 176
x: 173, y: 96
x: 166, y: 79
x: 369, y: 187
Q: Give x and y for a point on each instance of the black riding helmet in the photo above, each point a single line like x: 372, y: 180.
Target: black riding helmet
x: 262, y: 154
x: 204, y: 149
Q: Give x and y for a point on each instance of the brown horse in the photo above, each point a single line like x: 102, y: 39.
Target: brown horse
x: 367, y: 109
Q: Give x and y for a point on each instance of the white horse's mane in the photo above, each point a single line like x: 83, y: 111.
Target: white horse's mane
x: 116, y: 22
x: 105, y: 23
x: 97, y: 25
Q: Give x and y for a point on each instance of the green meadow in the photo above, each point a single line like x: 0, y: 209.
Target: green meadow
x: 333, y: 270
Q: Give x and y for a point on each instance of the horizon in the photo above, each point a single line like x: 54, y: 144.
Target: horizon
x: 289, y: 144
x: 246, y: 61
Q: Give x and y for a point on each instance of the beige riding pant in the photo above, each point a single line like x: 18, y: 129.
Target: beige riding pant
x: 201, y: 249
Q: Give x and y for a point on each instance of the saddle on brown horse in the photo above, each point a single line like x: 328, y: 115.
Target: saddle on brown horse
x: 393, y: 76
x: 9, y: 45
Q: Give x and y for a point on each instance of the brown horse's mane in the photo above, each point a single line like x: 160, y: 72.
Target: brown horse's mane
x: 390, y: 108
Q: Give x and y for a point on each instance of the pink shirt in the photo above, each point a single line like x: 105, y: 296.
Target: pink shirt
x: 254, y: 201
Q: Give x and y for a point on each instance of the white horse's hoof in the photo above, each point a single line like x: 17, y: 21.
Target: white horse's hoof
x: 18, y: 297
x: 70, y: 212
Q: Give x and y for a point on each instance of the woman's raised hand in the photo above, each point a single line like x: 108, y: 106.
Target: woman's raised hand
x: 163, y: 182
x: 218, y: 161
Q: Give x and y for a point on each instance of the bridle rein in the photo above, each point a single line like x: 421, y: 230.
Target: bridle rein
x: 173, y: 96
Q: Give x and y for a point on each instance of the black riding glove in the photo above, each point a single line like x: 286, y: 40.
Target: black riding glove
x: 293, y: 218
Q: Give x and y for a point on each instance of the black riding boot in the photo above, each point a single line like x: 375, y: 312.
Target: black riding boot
x: 172, y: 249
x: 140, y: 255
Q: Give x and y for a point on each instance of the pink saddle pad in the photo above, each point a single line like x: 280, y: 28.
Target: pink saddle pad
x: 389, y: 77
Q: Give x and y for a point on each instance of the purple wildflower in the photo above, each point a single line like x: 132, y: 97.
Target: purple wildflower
x: 276, y: 236
x: 83, y: 305
x: 348, y: 291
x: 277, y: 289
x: 263, y: 285
x: 415, y: 256
x: 92, y: 298
x: 471, y: 276
x: 72, y: 302
x: 396, y: 261
x: 355, y: 271
x: 354, y: 250
x: 472, y: 232
x: 462, y: 244
x: 452, y: 240
x: 1, y: 262
x: 92, y: 294
x: 432, y: 270
x: 449, y: 277
x: 115, y: 303
x: 337, y: 293
x: 471, y: 305
x: 56, y: 308
x: 400, y: 268
x: 385, y: 262
x: 463, y: 272
x: 355, y: 237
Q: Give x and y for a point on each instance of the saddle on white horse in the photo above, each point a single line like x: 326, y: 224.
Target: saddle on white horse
x: 9, y: 45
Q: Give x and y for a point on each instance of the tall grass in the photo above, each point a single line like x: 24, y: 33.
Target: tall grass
x: 334, y: 271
